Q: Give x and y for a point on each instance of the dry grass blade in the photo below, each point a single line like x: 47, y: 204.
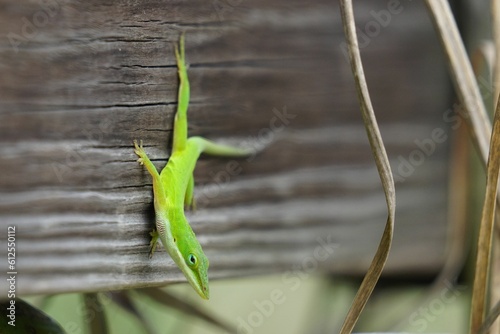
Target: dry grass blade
x: 495, y: 276
x: 123, y: 300
x: 178, y: 304
x: 462, y: 74
x: 383, y: 167
x: 482, y: 61
x: 495, y: 9
x: 483, y: 257
x: 490, y: 319
x: 94, y: 314
x: 478, y: 122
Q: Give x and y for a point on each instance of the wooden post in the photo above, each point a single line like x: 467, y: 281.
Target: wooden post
x: 80, y: 80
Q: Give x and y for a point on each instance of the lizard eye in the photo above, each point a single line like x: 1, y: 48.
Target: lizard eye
x: 192, y: 261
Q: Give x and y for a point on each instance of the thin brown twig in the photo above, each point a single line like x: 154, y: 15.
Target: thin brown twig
x: 383, y: 167
x: 462, y: 75
x: 483, y: 257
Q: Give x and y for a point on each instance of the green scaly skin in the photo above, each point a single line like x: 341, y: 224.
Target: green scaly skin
x: 173, y: 188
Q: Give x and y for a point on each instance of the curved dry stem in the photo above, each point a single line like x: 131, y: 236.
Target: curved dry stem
x: 383, y: 167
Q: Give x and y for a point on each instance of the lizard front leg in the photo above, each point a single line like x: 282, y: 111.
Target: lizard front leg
x: 144, y: 160
x: 159, y: 194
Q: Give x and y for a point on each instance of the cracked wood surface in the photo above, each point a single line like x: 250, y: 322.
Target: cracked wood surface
x: 75, y: 92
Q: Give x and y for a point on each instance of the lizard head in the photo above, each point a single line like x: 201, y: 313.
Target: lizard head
x: 193, y: 263
x: 180, y: 242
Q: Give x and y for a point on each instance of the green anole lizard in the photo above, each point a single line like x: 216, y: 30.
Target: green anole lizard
x: 173, y: 188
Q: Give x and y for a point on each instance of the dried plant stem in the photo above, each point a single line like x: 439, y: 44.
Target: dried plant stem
x: 383, y: 167
x: 490, y: 319
x: 480, y: 129
x: 495, y: 276
x: 495, y: 10
x: 483, y: 257
x: 94, y: 312
x: 463, y: 77
x: 167, y: 299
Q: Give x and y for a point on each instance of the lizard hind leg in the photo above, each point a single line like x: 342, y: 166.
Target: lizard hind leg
x: 180, y: 120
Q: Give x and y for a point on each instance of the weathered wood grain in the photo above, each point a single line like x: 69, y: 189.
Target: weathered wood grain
x: 99, y: 74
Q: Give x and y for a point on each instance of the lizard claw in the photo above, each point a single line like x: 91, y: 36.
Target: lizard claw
x: 137, y: 146
x: 139, y: 150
